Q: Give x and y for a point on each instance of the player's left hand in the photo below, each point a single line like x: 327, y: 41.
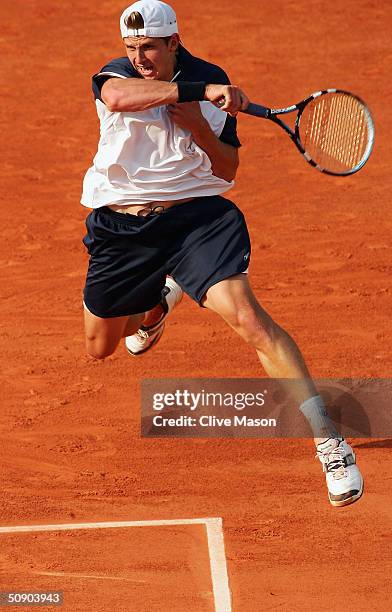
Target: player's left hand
x: 187, y: 115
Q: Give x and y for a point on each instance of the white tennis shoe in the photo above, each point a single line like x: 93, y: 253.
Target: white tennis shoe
x: 148, y: 335
x: 344, y: 480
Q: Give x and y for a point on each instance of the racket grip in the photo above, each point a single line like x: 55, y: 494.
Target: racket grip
x: 257, y: 110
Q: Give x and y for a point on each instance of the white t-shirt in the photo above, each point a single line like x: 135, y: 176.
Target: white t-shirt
x: 145, y: 157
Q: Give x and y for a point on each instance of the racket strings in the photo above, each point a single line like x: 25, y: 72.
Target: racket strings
x: 334, y: 132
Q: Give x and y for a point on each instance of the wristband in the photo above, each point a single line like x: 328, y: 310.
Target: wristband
x: 191, y: 92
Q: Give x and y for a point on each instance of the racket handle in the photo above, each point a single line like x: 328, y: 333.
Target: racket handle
x: 257, y: 110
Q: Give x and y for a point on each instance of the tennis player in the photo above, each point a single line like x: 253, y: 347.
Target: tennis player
x: 167, y: 152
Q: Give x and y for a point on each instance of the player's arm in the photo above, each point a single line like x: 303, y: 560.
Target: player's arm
x: 129, y: 95
x: 224, y: 157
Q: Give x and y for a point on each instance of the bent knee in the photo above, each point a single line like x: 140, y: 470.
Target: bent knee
x: 257, y: 328
x: 98, y: 349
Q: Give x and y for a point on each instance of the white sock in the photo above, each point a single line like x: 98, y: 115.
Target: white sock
x: 315, y: 412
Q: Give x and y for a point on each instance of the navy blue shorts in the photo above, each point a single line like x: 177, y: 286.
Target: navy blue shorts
x: 198, y: 243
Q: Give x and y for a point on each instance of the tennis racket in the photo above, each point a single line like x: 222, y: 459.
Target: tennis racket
x: 333, y: 130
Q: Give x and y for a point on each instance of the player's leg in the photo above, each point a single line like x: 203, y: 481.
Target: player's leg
x: 125, y: 277
x: 234, y: 300
x: 281, y: 358
x: 104, y: 334
x: 209, y: 264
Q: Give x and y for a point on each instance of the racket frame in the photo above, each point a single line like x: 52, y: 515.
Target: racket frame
x: 264, y: 112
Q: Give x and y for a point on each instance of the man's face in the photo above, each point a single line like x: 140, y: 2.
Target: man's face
x: 153, y: 58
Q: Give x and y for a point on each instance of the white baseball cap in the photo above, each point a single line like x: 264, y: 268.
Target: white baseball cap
x: 159, y: 19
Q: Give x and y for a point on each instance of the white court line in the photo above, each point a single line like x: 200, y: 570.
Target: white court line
x: 105, y: 525
x: 220, y: 578
x: 215, y: 539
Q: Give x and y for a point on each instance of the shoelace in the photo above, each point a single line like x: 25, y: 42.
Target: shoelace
x: 141, y: 335
x: 335, y: 462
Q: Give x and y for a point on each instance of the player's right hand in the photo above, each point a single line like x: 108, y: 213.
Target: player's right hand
x: 229, y: 98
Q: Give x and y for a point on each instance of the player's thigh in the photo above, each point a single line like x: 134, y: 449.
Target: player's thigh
x: 234, y: 300
x: 104, y: 334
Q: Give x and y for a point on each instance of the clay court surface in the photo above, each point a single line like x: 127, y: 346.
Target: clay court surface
x: 70, y: 445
